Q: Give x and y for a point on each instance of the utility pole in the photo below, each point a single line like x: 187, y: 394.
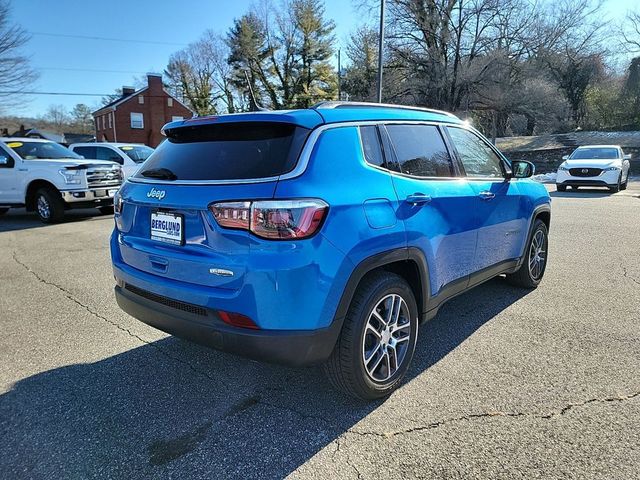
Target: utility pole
x: 339, y: 77
x: 380, y: 48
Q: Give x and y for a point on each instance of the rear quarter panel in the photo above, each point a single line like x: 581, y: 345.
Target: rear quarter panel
x: 361, y: 221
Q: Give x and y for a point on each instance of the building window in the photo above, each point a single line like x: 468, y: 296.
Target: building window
x: 169, y: 102
x: 103, y: 121
x: 176, y: 118
x: 137, y: 120
x: 140, y: 99
x: 110, y: 121
x: 97, y: 124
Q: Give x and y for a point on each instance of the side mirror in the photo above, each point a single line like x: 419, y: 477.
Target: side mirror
x: 522, y: 169
x: 565, y: 157
x: 627, y: 156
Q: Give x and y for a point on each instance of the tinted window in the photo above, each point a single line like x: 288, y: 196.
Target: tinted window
x: 105, y: 153
x: 41, y: 150
x: 478, y: 159
x: 231, y: 151
x: 137, y: 153
x: 371, y: 145
x: 8, y: 161
x: 86, y: 152
x: 420, y: 150
x: 595, y: 153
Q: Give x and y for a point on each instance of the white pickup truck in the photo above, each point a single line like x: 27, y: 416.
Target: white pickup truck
x: 48, y: 178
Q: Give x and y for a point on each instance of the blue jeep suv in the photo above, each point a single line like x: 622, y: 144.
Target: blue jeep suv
x: 323, y: 235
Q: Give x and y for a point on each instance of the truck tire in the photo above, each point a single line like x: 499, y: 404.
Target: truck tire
x: 378, y: 338
x: 106, y: 210
x: 49, y: 205
x: 3, y: 211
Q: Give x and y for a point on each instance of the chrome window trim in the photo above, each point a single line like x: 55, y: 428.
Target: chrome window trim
x: 304, y: 158
x: 401, y: 174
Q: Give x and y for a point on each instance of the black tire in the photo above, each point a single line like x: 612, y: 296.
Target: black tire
x: 3, y: 211
x: 106, y: 210
x: 616, y: 188
x: 623, y: 186
x: 52, y: 210
x: 345, y: 368
x: 525, y: 277
x: 561, y: 188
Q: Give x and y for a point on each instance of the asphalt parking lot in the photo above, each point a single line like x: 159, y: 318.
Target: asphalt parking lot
x: 506, y: 383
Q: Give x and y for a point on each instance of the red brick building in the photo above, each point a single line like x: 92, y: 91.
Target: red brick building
x: 139, y: 115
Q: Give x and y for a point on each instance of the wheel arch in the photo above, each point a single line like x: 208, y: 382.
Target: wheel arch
x: 409, y: 263
x: 32, y: 188
x: 541, y: 212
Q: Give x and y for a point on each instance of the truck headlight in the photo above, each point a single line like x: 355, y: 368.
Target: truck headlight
x: 71, y: 177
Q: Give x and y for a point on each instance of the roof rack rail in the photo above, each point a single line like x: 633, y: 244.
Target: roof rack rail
x: 343, y: 104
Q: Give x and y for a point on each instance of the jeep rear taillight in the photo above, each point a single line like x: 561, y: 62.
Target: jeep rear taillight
x: 272, y: 219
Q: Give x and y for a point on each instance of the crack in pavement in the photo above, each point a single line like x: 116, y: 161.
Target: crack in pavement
x: 257, y: 398
x: 625, y: 274
x: 71, y: 297
x: 472, y: 416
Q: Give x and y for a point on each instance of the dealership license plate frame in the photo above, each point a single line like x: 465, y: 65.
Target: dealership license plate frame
x: 166, y: 238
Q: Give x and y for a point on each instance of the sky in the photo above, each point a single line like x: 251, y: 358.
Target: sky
x: 149, y: 31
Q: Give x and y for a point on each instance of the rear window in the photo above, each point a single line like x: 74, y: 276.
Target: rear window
x: 231, y: 151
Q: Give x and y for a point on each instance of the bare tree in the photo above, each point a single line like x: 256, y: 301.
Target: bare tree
x: 57, y: 117
x: 15, y: 73
x: 631, y: 32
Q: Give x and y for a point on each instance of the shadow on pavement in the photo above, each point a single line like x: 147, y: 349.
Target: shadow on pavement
x: 20, y: 219
x: 582, y: 193
x: 174, y: 409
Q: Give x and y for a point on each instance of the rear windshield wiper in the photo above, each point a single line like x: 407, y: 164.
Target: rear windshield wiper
x: 159, y: 173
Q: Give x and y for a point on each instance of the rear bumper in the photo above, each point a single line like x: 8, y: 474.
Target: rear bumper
x: 288, y: 347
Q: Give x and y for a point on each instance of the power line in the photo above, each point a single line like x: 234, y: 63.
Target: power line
x: 68, y: 69
x: 80, y: 94
x: 108, y: 39
x: 74, y: 94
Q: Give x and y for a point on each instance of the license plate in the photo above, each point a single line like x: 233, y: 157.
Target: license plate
x: 167, y: 227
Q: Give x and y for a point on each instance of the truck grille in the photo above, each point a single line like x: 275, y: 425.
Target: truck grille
x: 103, y: 177
x: 585, y: 172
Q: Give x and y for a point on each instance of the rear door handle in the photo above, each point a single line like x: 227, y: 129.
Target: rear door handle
x: 486, y: 195
x: 418, y: 199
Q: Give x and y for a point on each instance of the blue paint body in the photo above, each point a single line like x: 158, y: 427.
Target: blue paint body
x: 297, y: 285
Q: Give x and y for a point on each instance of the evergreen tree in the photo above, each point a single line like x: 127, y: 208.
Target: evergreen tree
x: 317, y: 79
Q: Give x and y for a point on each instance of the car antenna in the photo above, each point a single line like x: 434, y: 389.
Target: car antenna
x: 253, y: 104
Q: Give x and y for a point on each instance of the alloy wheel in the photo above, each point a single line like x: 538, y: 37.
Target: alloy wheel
x: 537, y: 255
x: 386, y: 338
x: 44, y: 209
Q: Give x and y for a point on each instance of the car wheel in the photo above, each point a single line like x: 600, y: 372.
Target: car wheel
x: 616, y: 188
x: 623, y: 186
x: 534, y: 265
x: 561, y: 188
x: 106, y: 210
x: 3, y: 211
x: 49, y: 205
x: 378, y: 338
